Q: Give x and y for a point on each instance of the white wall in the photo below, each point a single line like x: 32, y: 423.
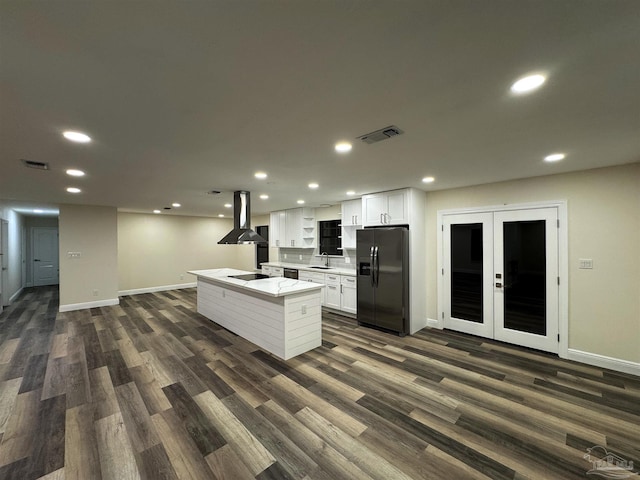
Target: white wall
x: 158, y: 250
x: 604, y: 225
x: 14, y: 262
x: 92, y: 231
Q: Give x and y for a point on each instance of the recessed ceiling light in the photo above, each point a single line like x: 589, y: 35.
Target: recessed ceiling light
x: 300, y: 202
x: 343, y: 147
x: 351, y: 192
x: 177, y: 205
x: 554, y: 157
x: 264, y: 196
x: 227, y: 205
x: 78, y: 137
x: 428, y: 180
x: 313, y: 185
x: 528, y: 84
x: 73, y: 190
x: 260, y: 175
x: 75, y: 173
x: 220, y: 215
x: 37, y: 210
x: 157, y: 211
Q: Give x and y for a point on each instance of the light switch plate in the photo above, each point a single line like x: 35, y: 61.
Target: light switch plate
x: 586, y: 263
x: 347, y: 260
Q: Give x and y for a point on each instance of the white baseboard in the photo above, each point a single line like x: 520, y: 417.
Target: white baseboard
x: 616, y: 364
x: 161, y: 288
x: 433, y: 323
x: 15, y: 295
x: 81, y: 306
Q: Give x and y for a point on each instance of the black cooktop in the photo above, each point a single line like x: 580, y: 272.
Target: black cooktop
x: 250, y: 276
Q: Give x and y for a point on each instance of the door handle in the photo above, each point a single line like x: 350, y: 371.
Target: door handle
x: 498, y: 285
x: 36, y: 259
x: 372, y: 266
x: 377, y: 262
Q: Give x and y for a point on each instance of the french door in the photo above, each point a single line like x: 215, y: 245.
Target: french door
x: 501, y: 275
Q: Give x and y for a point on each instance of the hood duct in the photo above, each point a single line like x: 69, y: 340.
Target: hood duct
x: 241, y: 233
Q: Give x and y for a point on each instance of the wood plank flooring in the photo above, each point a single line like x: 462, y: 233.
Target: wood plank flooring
x: 150, y: 389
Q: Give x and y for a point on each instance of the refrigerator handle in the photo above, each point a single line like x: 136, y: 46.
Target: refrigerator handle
x: 377, y: 262
x: 372, y: 269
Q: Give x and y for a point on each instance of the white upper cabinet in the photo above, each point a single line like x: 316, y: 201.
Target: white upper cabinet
x: 294, y: 228
x: 385, y: 208
x: 351, y: 220
x: 277, y: 229
x: 352, y: 213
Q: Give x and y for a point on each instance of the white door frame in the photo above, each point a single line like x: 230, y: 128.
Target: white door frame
x: 563, y: 262
x: 4, y: 263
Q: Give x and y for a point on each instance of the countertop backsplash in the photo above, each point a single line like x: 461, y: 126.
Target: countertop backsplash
x: 311, y: 257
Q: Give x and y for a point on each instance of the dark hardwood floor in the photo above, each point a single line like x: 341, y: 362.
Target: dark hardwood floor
x: 150, y: 389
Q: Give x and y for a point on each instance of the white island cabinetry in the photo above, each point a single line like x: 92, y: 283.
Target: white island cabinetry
x: 281, y: 315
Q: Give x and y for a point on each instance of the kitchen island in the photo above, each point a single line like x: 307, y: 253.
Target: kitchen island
x: 281, y: 315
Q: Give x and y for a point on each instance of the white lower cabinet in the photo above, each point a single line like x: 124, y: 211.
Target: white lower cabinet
x: 315, y: 278
x: 339, y: 292
x: 348, y: 294
x: 273, y: 271
x: 332, y: 296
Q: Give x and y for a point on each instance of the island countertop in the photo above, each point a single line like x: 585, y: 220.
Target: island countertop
x: 272, y: 287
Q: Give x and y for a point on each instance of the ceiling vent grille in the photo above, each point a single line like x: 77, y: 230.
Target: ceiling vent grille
x: 38, y: 165
x: 382, y: 134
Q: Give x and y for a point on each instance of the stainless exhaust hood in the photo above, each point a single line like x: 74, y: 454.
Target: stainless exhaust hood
x: 241, y: 233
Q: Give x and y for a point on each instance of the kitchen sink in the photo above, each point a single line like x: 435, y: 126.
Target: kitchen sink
x: 321, y: 268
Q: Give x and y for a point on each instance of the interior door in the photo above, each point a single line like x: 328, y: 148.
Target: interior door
x: 468, y: 273
x: 45, y: 256
x: 501, y: 276
x: 526, y: 295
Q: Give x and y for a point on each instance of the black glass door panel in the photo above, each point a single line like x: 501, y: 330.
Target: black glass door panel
x: 524, y: 270
x: 467, y: 272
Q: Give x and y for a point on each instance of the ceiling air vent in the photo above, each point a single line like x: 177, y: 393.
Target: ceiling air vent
x: 38, y: 165
x: 382, y: 134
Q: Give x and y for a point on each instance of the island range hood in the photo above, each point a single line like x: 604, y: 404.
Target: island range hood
x: 241, y: 233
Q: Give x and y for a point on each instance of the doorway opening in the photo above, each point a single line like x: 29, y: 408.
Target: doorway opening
x: 500, y: 275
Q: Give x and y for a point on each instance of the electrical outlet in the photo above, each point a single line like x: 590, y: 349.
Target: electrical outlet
x: 181, y: 277
x: 347, y: 260
x: 304, y: 309
x: 285, y: 256
x: 95, y: 293
x: 74, y: 254
x: 299, y: 257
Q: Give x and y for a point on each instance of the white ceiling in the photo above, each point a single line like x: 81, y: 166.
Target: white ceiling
x: 184, y: 97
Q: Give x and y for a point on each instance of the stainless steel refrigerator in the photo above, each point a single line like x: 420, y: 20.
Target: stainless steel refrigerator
x: 383, y: 278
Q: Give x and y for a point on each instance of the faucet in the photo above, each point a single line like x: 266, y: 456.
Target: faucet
x: 326, y: 262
